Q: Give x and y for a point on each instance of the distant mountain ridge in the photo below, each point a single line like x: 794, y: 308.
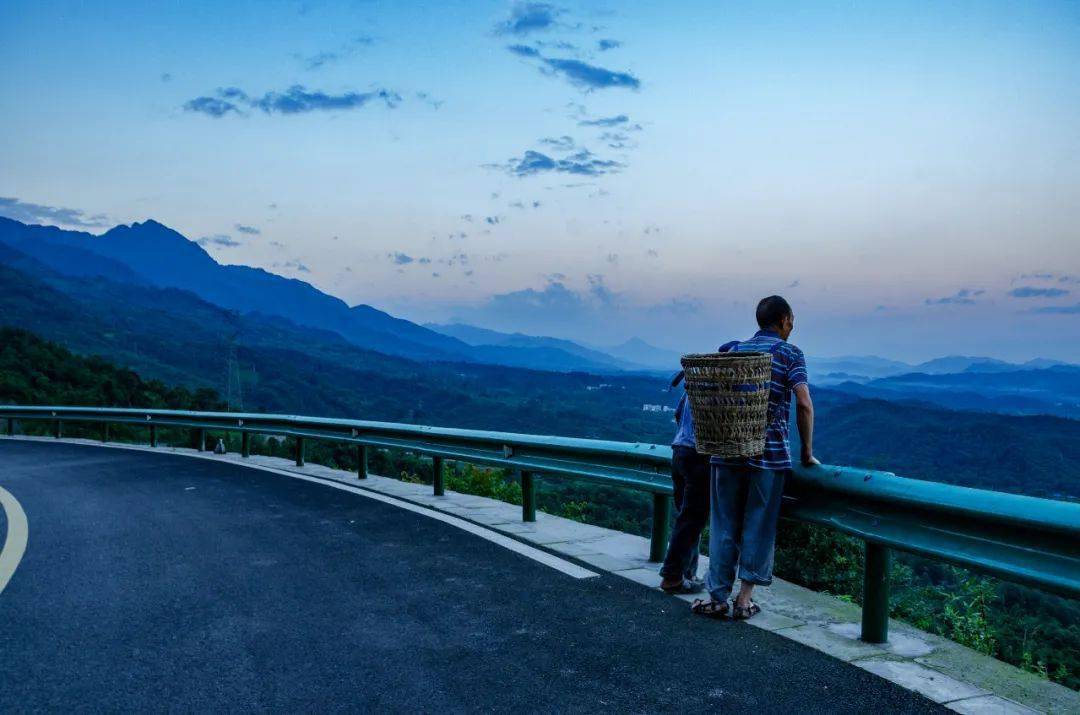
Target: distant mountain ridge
x: 159, y: 256
x: 636, y: 350
x: 150, y: 253
x: 831, y: 371
x: 1051, y: 391
x: 593, y: 358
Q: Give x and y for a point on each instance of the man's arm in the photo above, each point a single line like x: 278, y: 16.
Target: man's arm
x: 804, y: 417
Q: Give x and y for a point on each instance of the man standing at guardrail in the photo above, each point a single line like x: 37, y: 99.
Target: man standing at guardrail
x: 746, y: 492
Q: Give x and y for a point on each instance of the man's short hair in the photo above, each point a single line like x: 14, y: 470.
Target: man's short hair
x: 771, y: 311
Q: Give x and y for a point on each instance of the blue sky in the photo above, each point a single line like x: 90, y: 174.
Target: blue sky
x: 908, y: 175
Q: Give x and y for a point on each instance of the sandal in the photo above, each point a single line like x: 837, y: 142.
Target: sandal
x: 742, y: 613
x: 685, y: 586
x: 710, y: 608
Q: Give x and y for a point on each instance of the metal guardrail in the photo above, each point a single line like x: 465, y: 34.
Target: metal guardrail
x: 1035, y: 542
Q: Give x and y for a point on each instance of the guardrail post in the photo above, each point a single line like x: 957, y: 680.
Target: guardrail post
x: 245, y: 444
x: 875, y: 610
x: 153, y: 435
x: 361, y: 458
x: 58, y: 429
x: 528, y: 496
x: 437, y: 471
x: 299, y: 451
x: 104, y: 431
x: 202, y: 439
x: 661, y: 526
x: 11, y: 427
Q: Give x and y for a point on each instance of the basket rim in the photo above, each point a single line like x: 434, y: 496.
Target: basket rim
x: 732, y: 355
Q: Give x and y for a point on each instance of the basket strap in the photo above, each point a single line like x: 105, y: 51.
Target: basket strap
x: 676, y: 379
x: 774, y: 413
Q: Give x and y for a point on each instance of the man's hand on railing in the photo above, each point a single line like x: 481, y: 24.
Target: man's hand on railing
x: 808, y: 459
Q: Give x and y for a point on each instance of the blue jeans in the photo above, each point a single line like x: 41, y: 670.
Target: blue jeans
x: 742, y: 530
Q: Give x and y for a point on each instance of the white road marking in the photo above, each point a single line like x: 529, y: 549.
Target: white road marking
x: 17, y: 534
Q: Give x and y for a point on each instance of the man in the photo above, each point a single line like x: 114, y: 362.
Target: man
x: 746, y: 492
x: 690, y: 482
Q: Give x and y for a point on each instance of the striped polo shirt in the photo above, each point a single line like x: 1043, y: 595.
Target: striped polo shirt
x: 788, y: 371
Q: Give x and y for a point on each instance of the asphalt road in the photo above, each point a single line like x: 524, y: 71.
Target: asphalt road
x: 156, y: 582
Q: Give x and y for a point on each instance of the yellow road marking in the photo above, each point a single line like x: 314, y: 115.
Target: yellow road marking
x: 15, y: 542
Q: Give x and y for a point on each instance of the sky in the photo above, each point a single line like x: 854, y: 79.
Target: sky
x: 906, y: 174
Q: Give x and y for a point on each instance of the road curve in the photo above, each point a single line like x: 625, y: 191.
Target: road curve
x: 152, y: 583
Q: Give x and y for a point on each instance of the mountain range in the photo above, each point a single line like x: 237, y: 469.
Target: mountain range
x: 264, y: 362
x: 153, y: 255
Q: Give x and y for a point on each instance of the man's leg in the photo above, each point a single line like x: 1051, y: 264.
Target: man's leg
x: 673, y: 565
x: 690, y: 478
x: 698, y: 490
x: 725, y: 528
x: 762, y: 513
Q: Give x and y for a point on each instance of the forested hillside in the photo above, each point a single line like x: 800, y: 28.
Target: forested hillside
x: 280, y: 367
x: 37, y: 372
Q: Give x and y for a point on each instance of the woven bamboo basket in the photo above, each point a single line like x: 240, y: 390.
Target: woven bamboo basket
x: 729, y: 399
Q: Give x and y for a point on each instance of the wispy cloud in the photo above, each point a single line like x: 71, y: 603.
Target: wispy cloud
x: 590, y: 77
x: 964, y: 296
x: 218, y: 239
x: 211, y: 106
x: 607, y: 44
x: 525, y: 205
x: 295, y: 100
x: 1058, y: 309
x: 563, y: 143
x: 247, y: 230
x: 1047, y: 277
x: 580, y: 163
x: 578, y: 73
x: 557, y: 308
x: 524, y: 51
x: 37, y: 213
x: 529, y: 17
x: 321, y: 59
x: 618, y: 140
x: 429, y: 100
x: 297, y: 266
x: 621, y: 121
x: 1034, y: 292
